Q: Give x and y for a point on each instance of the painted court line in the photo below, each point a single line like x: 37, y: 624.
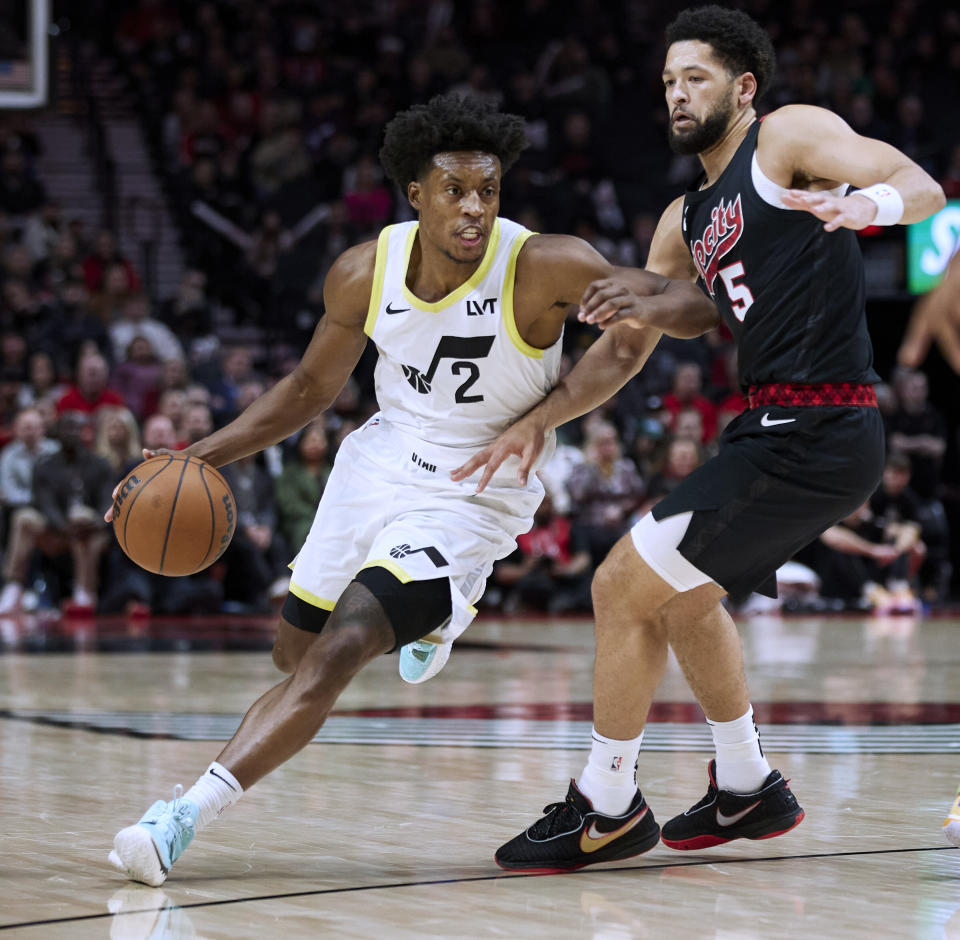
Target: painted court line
x: 473, y: 879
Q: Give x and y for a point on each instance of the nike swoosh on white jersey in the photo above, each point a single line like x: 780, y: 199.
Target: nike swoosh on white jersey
x: 724, y: 820
x: 769, y: 422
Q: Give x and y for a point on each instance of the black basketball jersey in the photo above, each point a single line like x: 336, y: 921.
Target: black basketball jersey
x: 792, y: 294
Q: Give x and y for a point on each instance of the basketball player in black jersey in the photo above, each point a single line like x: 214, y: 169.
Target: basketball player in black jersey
x: 769, y: 232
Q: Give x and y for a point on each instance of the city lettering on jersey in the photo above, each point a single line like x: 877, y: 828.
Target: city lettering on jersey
x: 477, y: 308
x: 723, y: 232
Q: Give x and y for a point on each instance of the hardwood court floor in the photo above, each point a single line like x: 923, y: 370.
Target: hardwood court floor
x: 386, y: 826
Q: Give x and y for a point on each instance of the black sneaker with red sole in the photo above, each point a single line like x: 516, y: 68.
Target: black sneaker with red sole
x: 722, y: 816
x: 573, y: 834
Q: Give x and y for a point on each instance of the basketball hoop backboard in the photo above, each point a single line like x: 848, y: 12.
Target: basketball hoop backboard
x: 24, y: 69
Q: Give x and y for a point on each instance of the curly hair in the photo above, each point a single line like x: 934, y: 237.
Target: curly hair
x: 445, y: 123
x: 740, y: 43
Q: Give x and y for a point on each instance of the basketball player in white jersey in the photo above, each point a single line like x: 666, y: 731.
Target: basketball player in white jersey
x: 467, y: 311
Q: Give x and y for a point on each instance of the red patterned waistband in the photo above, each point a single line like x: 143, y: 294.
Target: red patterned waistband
x: 843, y: 393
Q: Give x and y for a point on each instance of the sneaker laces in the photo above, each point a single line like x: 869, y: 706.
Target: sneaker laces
x: 560, y: 817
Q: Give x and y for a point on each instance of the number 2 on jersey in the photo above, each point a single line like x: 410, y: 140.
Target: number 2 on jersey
x: 741, y: 300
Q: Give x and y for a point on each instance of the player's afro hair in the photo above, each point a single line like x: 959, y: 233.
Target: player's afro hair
x: 446, y: 123
x: 741, y: 44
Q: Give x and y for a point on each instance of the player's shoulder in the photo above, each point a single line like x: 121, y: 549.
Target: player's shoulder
x: 797, y: 122
x: 350, y: 278
x: 548, y: 251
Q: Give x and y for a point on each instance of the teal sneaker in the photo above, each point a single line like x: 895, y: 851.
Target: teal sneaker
x: 144, y: 852
x: 422, y: 660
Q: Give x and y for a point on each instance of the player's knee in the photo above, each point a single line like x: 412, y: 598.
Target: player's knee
x: 343, y: 649
x: 603, y: 584
x: 286, y: 659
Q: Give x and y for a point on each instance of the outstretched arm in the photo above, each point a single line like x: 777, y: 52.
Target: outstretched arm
x: 334, y: 350
x: 936, y: 316
x: 661, y: 296
x: 801, y: 141
x: 602, y: 371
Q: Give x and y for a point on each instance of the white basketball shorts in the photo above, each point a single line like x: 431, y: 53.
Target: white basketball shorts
x: 389, y: 501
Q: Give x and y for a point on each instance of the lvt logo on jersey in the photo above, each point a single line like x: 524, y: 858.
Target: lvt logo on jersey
x: 477, y: 308
x: 723, y: 232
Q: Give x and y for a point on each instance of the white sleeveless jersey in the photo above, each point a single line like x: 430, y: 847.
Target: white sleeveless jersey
x: 454, y: 373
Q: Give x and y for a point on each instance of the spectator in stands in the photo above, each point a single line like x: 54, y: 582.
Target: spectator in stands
x: 18, y: 459
x: 41, y: 380
x: 172, y: 404
x: 20, y: 192
x: 90, y: 391
x: 649, y: 444
x: 104, y: 255
x: 43, y: 231
x: 115, y: 290
x: 258, y: 555
x: 605, y: 489
x: 865, y: 562
x: 118, y: 438
x: 197, y: 423
x: 367, y: 199
x: 300, y: 485
x: 896, y: 503
x: 159, y: 433
x: 682, y: 458
x: 137, y: 378
x: 9, y: 395
x: 187, y: 313
x: 29, y: 316
x: 550, y: 568
x: 236, y: 368
x: 135, y: 320
x: 13, y: 354
x: 71, y: 488
x: 686, y: 393
x: 79, y: 326
x: 918, y: 430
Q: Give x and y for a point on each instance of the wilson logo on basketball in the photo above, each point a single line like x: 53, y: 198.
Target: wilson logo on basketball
x: 228, y: 508
x: 125, y: 490
x: 723, y: 232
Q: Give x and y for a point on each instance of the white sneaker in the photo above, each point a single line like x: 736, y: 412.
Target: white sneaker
x: 423, y: 659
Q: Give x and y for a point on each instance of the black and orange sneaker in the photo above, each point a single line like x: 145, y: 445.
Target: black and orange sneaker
x: 722, y: 816
x: 574, y: 834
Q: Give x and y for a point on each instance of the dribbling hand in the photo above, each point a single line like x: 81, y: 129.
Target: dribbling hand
x: 853, y: 211
x: 147, y: 454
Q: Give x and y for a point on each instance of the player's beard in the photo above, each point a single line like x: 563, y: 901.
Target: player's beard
x: 706, y: 131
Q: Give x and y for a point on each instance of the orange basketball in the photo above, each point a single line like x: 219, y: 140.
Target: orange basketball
x: 174, y: 514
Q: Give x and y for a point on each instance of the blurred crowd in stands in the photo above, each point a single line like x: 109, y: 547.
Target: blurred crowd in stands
x: 264, y: 120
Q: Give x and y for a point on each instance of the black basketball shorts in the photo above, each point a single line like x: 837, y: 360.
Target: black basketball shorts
x: 783, y: 475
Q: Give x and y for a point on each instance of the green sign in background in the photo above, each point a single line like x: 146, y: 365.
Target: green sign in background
x: 930, y: 244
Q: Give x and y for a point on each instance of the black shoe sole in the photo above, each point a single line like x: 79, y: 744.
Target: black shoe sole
x: 769, y: 830
x: 560, y: 866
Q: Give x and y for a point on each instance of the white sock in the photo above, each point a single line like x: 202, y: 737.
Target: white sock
x: 608, y: 780
x: 213, y: 793
x: 741, y: 766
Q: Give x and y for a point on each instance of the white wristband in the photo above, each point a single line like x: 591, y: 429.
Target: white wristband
x: 888, y: 201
